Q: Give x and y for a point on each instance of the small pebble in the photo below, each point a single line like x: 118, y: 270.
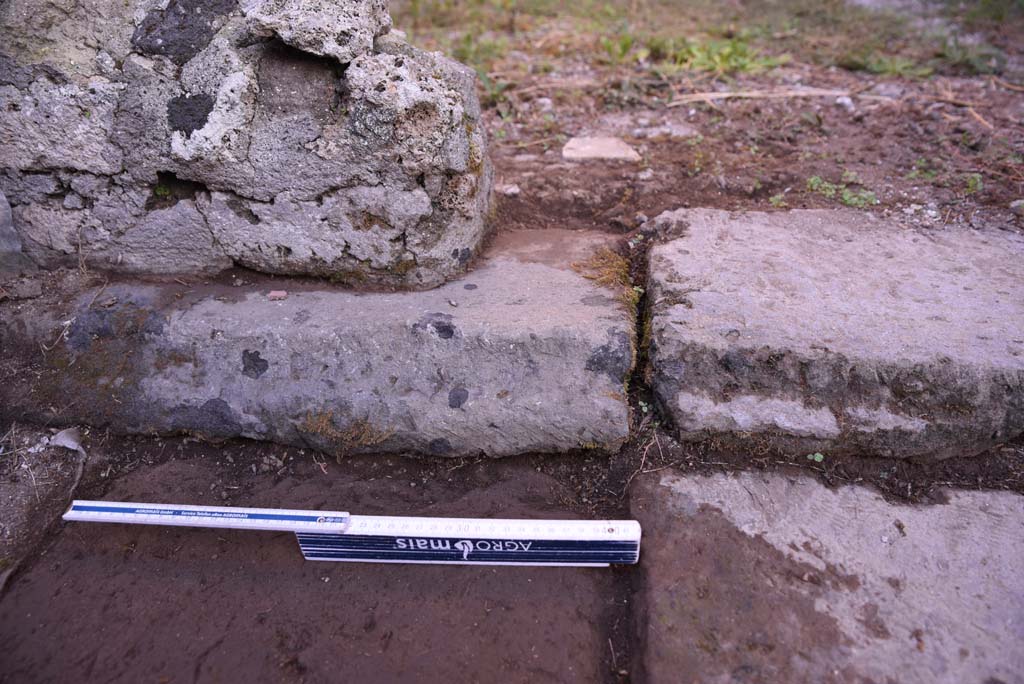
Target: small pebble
x: 1017, y: 207
x: 277, y: 295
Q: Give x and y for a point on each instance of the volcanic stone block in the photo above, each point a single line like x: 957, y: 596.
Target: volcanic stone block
x: 299, y: 137
x: 342, y: 30
x: 12, y: 260
x: 523, y: 355
x: 773, y: 578
x: 837, y: 331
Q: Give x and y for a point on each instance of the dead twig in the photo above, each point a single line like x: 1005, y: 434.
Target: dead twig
x: 980, y: 119
x: 8, y: 437
x: 542, y: 141
x: 35, y: 485
x: 62, y: 335
x: 322, y: 465
x: 771, y: 95
x: 1006, y: 84
x: 97, y: 295
x: 664, y: 467
x: 643, y: 462
x: 948, y: 98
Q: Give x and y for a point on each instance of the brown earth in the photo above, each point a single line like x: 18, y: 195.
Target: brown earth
x: 124, y: 603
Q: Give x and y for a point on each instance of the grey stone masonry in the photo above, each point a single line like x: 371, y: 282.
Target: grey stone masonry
x: 523, y: 355
x: 767, y: 577
x: 299, y: 137
x: 838, y: 331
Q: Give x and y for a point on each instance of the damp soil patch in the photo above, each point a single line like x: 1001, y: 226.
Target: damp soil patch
x: 110, y: 598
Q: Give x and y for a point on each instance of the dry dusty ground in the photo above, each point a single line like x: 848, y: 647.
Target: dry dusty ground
x: 928, y: 124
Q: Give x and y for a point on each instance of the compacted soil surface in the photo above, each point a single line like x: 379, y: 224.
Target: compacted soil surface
x: 130, y: 603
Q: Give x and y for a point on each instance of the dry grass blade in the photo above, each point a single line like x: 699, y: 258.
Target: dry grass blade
x: 606, y: 268
x: 1006, y: 84
x: 980, y: 119
x: 771, y: 95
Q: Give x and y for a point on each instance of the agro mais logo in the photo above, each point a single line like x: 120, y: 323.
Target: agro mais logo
x: 466, y: 546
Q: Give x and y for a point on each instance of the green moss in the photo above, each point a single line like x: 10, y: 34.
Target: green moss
x: 851, y: 197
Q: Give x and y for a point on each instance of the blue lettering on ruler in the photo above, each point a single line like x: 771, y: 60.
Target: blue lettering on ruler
x: 231, y: 515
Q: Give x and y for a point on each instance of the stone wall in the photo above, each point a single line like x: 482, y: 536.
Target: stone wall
x: 288, y: 136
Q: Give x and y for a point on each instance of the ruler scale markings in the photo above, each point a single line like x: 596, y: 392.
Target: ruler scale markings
x: 338, y: 536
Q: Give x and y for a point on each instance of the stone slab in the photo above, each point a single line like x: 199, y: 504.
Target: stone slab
x: 127, y: 603
x: 522, y: 355
x: 836, y: 330
x: 772, y: 578
x: 9, y: 240
x: 12, y: 261
x: 599, y: 147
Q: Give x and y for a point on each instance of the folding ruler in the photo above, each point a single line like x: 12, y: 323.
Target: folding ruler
x: 338, y: 536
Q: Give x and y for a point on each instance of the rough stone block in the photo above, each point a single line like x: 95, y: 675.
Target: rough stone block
x: 523, y: 355
x: 342, y: 30
x: 309, y: 140
x: 835, y: 330
x: 774, y: 578
x: 12, y: 260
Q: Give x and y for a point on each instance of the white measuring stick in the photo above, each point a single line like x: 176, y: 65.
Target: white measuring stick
x: 478, y: 541
x: 336, y: 536
x: 230, y: 517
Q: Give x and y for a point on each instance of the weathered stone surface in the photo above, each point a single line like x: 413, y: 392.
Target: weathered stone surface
x: 323, y: 27
x: 525, y: 354
x: 833, y: 330
x: 63, y: 126
x: 299, y: 135
x: 10, y: 243
x: 12, y: 260
x: 608, y: 149
x: 771, y: 578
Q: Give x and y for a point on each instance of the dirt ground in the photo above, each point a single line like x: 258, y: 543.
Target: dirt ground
x: 925, y: 122
x: 928, y: 126
x: 103, y: 602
